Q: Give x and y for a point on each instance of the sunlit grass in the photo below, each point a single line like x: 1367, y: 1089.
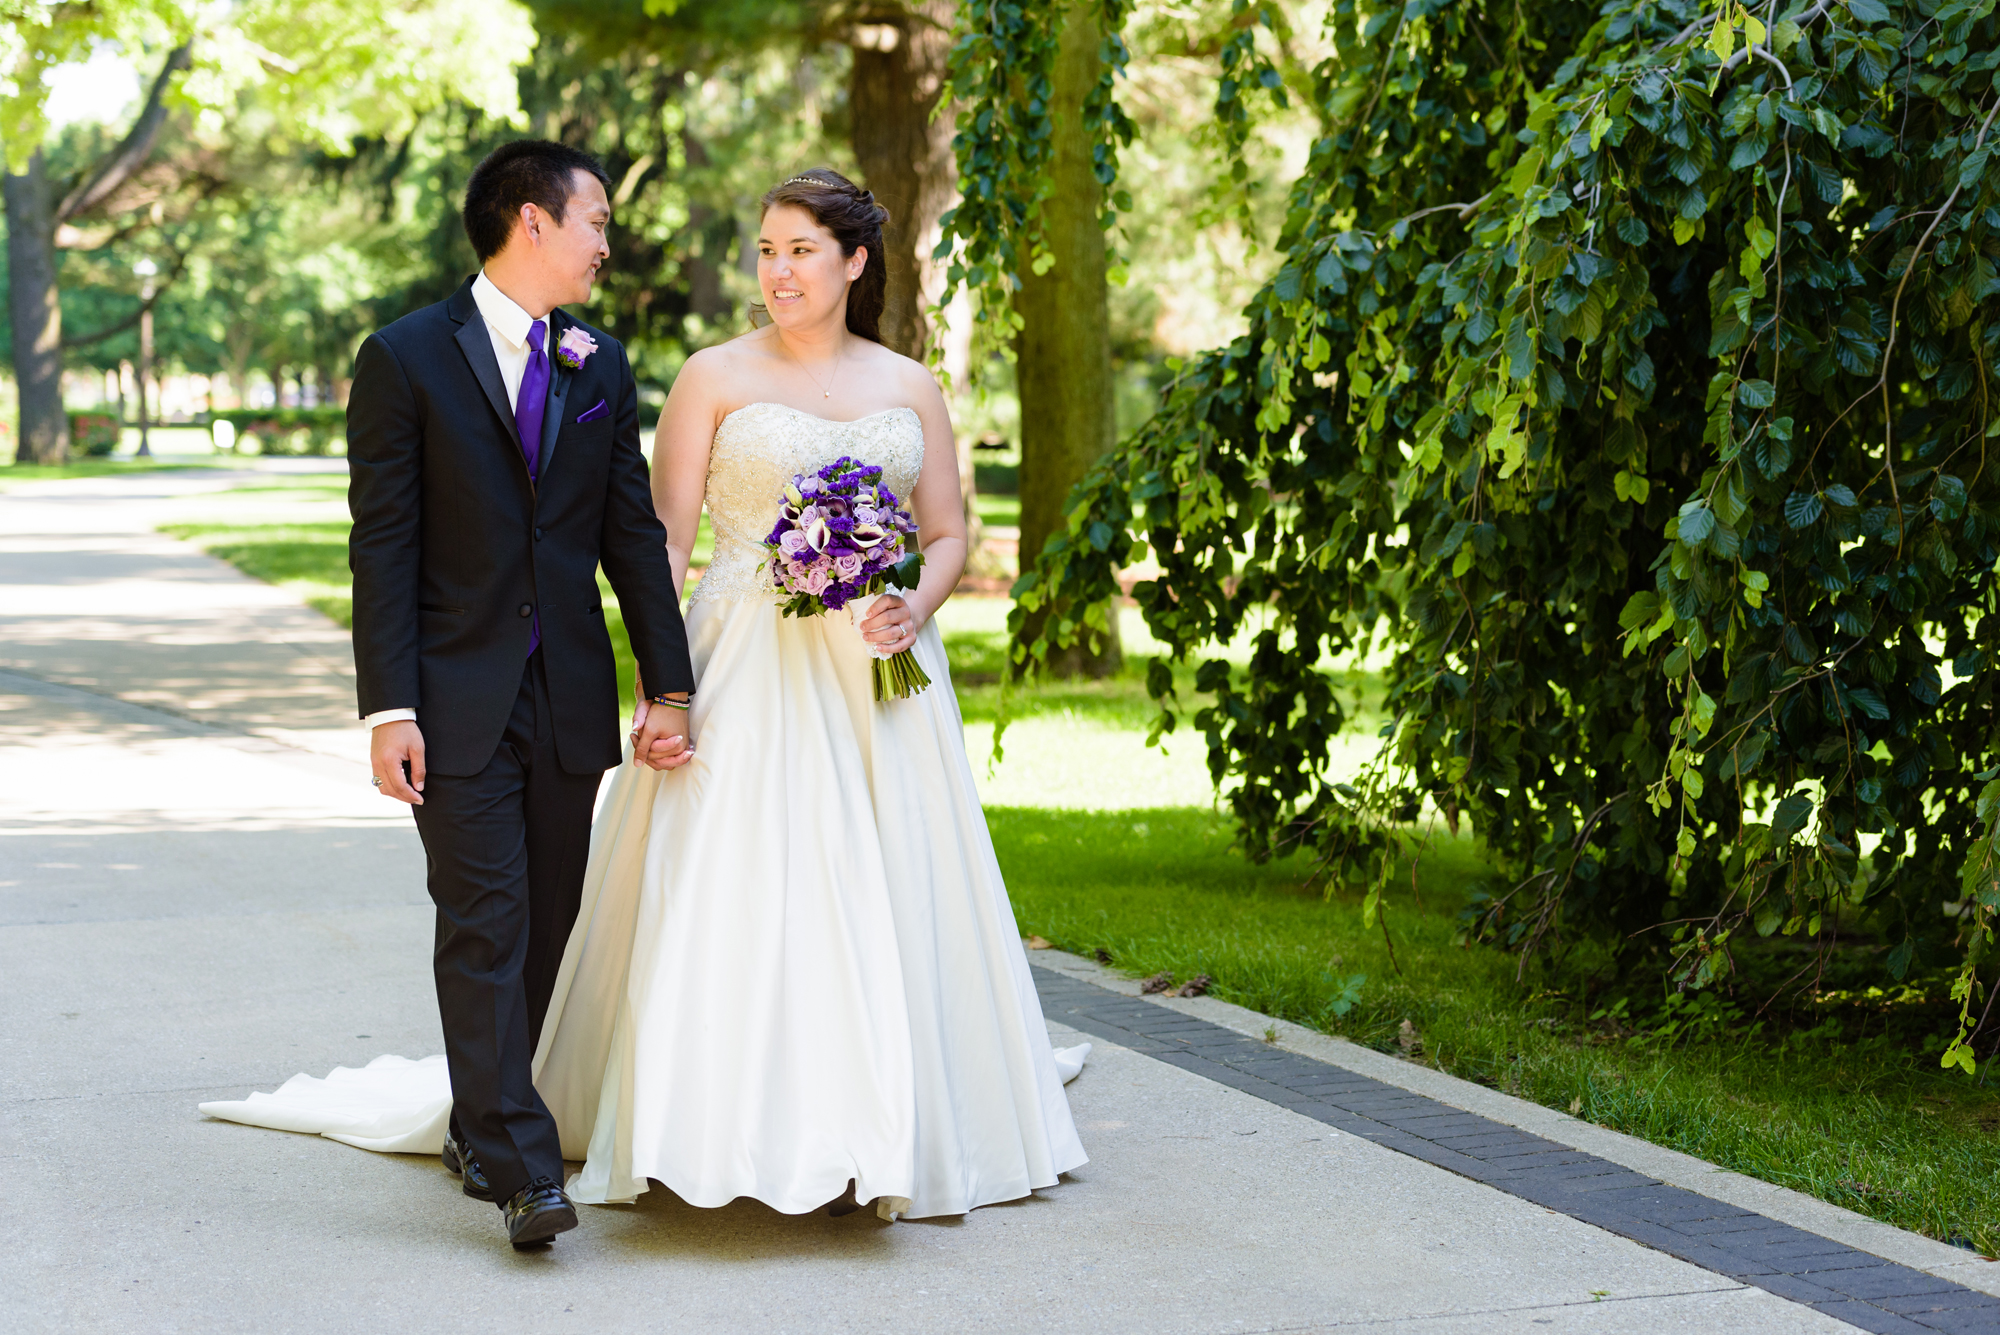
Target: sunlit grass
x: 14, y: 475
x: 1005, y: 510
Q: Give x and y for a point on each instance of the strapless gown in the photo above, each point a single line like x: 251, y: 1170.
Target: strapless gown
x: 795, y: 963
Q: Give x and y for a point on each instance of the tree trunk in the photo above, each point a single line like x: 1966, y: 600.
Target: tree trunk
x: 238, y: 345
x: 35, y: 308
x: 905, y: 156
x: 1064, y: 349
x: 35, y: 301
x: 900, y: 58
x: 706, y: 254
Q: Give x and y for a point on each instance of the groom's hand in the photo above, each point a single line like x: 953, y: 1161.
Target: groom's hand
x: 660, y: 736
x: 391, y: 748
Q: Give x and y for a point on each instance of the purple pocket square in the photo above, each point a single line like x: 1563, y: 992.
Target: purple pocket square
x: 592, y: 414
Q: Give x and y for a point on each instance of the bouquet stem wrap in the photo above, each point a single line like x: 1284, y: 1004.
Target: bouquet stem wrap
x: 898, y: 675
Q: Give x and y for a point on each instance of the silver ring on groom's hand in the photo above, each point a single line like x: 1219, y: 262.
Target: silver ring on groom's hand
x: 375, y: 779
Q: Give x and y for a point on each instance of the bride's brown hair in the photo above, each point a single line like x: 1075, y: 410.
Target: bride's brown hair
x: 855, y: 220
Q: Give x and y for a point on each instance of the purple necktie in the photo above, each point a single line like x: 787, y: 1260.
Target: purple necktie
x: 532, y: 399
x: 528, y: 408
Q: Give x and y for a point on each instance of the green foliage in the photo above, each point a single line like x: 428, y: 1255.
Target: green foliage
x: 321, y: 74
x: 1002, y: 78
x: 1631, y: 371
x: 278, y: 257
x: 1247, y: 69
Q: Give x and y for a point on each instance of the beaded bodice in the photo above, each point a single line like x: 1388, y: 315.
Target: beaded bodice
x: 762, y: 446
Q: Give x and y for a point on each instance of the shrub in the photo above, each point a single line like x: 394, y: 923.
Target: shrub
x: 94, y: 435
x: 288, y: 430
x: 1633, y: 371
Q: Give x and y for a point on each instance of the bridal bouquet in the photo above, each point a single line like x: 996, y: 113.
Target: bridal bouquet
x: 839, y: 543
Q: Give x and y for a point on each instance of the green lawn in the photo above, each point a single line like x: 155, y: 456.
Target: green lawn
x: 14, y: 475
x: 1111, y: 846
x: 998, y: 509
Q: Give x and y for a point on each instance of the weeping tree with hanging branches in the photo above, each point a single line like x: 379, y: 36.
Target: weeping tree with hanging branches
x: 1630, y: 376
x: 1033, y: 239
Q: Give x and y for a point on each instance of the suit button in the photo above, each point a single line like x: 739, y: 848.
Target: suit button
x: 538, y: 535
x: 527, y: 609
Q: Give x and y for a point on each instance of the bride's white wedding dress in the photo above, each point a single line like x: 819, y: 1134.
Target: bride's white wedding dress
x: 795, y: 963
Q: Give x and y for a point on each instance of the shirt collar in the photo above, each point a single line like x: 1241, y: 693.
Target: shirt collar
x: 504, y: 315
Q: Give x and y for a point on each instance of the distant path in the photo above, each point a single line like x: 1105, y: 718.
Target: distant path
x: 200, y: 895
x: 95, y: 598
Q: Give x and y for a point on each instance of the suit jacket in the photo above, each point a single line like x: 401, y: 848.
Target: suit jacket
x: 454, y: 549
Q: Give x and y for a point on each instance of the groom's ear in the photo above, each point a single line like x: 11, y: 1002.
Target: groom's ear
x: 531, y: 222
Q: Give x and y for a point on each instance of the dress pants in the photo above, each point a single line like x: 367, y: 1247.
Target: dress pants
x: 507, y: 849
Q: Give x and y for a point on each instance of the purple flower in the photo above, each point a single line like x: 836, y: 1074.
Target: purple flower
x: 838, y: 531
x: 574, y: 348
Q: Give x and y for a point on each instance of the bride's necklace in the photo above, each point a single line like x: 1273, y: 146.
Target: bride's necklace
x: 826, y: 390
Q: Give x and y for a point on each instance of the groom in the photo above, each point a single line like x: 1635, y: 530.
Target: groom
x: 493, y: 445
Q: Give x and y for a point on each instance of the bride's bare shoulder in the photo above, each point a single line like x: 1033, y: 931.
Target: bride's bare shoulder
x: 914, y: 383
x: 720, y: 362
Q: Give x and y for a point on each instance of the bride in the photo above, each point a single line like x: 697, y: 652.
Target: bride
x: 795, y: 975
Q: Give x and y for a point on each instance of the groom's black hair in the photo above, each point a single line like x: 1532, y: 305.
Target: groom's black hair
x: 527, y: 171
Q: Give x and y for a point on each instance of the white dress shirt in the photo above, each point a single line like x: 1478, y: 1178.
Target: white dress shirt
x: 508, y: 325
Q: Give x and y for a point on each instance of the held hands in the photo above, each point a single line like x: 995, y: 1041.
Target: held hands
x: 893, y: 625
x: 660, y: 736
x: 396, y: 754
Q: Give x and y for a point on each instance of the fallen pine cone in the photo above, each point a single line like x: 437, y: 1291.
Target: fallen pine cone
x: 1159, y: 982
x: 1196, y: 986
x: 1103, y: 955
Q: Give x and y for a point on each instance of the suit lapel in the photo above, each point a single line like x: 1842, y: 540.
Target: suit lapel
x: 559, y: 378
x: 477, y: 345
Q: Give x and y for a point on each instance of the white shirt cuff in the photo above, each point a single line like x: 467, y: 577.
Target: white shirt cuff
x: 381, y: 716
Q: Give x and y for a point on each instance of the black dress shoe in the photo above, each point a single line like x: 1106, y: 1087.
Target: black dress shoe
x: 458, y: 1161
x: 845, y: 1204
x: 537, y: 1212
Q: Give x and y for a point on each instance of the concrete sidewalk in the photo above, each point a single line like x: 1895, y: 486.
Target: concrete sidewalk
x: 200, y: 895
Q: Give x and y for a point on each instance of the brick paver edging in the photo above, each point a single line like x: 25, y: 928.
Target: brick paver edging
x: 1854, y: 1286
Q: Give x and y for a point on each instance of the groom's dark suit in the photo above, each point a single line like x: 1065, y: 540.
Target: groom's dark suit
x: 457, y: 556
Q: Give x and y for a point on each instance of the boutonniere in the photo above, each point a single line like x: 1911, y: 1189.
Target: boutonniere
x: 573, y: 347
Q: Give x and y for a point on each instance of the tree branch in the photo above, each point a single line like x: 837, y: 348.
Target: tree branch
x: 112, y: 331
x: 1749, y: 51
x: 1463, y: 210
x: 133, y: 150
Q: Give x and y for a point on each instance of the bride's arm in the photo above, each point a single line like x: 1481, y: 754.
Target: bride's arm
x: 680, y: 458
x: 939, y: 507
